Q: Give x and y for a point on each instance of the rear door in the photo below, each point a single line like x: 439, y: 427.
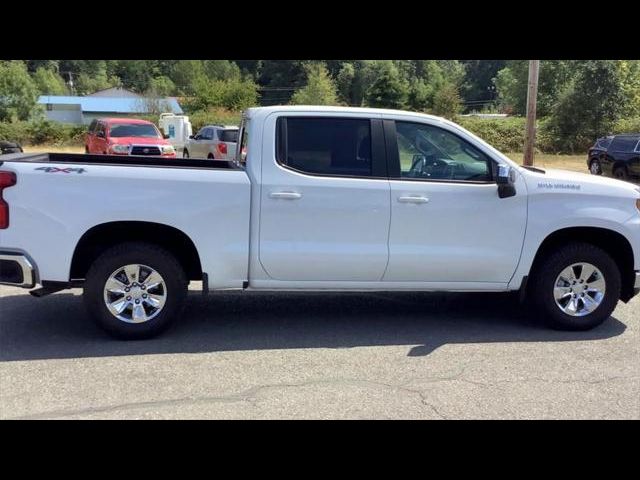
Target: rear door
x: 324, y: 201
x: 621, y: 153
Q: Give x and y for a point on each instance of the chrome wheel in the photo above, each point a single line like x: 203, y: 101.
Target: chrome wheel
x: 135, y: 293
x: 595, y: 168
x: 579, y: 289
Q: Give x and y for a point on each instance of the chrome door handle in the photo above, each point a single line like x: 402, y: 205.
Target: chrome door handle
x: 411, y: 199
x: 286, y: 195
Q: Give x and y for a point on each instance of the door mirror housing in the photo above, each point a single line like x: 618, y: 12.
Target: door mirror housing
x: 100, y: 134
x: 506, y: 179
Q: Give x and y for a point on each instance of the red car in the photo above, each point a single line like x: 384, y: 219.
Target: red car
x: 126, y: 136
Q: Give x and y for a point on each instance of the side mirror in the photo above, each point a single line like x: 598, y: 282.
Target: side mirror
x: 506, y: 180
x: 192, y: 137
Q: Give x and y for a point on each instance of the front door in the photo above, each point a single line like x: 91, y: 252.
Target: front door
x: 324, y: 201
x: 448, y: 224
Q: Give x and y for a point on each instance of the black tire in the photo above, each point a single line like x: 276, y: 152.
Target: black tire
x: 135, y: 253
x: 595, y: 168
x: 621, y: 173
x: 185, y: 153
x: 542, y: 291
x: 211, y: 157
x: 86, y: 150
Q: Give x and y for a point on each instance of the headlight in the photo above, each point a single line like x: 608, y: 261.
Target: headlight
x: 168, y: 149
x: 120, y: 148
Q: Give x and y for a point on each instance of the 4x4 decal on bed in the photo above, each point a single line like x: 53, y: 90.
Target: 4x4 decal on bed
x: 61, y: 170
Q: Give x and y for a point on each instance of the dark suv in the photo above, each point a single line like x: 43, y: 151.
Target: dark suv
x: 617, y: 156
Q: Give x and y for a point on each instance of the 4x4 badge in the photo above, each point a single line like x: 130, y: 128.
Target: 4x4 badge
x: 61, y: 170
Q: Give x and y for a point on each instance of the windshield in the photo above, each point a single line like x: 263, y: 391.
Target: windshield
x: 133, y: 130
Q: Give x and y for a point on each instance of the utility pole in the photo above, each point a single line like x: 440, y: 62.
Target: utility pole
x: 532, y: 94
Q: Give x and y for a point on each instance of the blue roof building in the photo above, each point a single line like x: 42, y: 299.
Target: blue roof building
x: 79, y: 110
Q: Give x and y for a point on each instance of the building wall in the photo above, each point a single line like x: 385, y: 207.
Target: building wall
x: 64, y: 113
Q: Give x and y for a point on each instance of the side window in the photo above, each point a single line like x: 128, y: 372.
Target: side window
x: 325, y: 146
x: 623, y: 144
x: 638, y: 146
x: 200, y: 133
x: 432, y: 153
x: 208, y: 134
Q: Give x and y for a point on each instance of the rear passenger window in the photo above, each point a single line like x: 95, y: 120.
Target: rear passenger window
x: 325, y: 146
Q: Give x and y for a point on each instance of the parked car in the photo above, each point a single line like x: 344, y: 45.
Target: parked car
x: 617, y: 156
x: 9, y: 147
x: 126, y: 136
x: 319, y: 198
x: 214, y: 142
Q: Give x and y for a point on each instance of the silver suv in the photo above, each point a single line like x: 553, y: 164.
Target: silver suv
x: 212, y: 141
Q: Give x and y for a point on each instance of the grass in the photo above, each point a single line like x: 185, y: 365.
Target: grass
x: 574, y: 163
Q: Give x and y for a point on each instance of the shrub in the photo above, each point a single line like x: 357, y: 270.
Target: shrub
x: 42, y: 131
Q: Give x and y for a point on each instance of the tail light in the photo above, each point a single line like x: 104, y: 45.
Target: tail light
x: 7, y: 179
x: 222, y: 148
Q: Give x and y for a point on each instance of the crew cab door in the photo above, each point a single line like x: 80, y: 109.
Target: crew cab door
x: 324, y: 199
x: 448, y: 225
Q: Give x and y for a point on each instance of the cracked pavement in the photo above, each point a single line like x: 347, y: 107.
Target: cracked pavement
x: 345, y: 356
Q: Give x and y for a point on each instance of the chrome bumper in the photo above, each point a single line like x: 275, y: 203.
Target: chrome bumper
x: 14, y: 264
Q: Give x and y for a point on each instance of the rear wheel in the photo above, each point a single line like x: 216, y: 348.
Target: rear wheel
x: 135, y: 290
x: 576, y: 288
x: 621, y: 173
x: 185, y: 153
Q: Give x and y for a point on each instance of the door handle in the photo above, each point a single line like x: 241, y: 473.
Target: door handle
x: 286, y: 195
x: 413, y: 199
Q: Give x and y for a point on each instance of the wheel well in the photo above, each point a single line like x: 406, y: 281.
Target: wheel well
x: 611, y: 242
x: 618, y: 165
x: 99, y: 238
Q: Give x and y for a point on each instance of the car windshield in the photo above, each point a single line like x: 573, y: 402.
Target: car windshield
x: 133, y: 130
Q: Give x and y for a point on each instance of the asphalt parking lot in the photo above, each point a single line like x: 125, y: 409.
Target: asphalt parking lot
x: 382, y: 355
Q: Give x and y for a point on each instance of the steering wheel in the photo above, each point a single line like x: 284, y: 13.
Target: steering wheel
x: 430, y: 167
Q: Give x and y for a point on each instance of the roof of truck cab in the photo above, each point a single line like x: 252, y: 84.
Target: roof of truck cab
x: 335, y: 109
x: 136, y: 121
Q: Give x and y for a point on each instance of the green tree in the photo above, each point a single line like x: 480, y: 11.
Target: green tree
x: 344, y: 83
x: 389, y: 89
x: 447, y: 102
x: 162, y: 86
x: 319, y: 90
x: 187, y: 75
x: 589, y: 106
x: 49, y: 82
x: 18, y: 92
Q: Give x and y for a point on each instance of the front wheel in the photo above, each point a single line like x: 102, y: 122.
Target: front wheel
x: 135, y: 290
x: 185, y: 153
x: 595, y: 168
x: 576, y: 288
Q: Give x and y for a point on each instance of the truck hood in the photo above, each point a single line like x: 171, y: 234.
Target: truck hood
x: 138, y: 141
x: 553, y: 179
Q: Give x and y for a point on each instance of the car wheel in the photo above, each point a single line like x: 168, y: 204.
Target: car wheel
x: 621, y: 173
x: 576, y: 288
x: 185, y: 153
x: 211, y: 157
x: 135, y: 290
x: 86, y: 150
x: 595, y: 168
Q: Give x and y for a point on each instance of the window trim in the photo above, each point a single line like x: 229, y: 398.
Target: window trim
x: 393, y: 156
x: 637, y: 149
x: 379, y: 164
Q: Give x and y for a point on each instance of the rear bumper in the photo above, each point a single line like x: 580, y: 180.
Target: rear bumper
x: 16, y: 270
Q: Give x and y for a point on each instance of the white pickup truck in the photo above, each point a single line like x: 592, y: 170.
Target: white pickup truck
x: 319, y: 198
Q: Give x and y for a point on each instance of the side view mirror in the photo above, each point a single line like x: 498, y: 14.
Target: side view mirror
x: 100, y: 134
x: 506, y: 180
x: 192, y: 137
